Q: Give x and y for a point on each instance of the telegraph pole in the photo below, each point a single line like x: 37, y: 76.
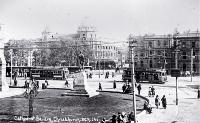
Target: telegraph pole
x: 131, y: 47
x: 11, y: 51
x: 176, y: 65
x: 191, y: 69
x: 99, y: 60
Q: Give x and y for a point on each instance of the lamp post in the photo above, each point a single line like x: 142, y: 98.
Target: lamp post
x: 11, y: 51
x: 132, y: 44
x: 191, y: 69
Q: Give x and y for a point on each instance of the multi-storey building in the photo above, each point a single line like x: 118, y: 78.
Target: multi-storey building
x: 188, y: 52
x: 103, y: 52
x: 153, y: 52
x: 159, y: 52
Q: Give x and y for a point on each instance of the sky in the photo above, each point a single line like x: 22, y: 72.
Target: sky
x: 114, y: 19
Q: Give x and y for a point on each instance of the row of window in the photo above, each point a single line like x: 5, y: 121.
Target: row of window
x: 105, y: 47
x: 193, y: 44
x: 165, y: 43
x: 152, y: 52
x: 105, y: 54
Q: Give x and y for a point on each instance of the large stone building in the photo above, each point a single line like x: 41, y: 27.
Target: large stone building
x: 159, y: 52
x: 103, y: 50
x: 188, y: 50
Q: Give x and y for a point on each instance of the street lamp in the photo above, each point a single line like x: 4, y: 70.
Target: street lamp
x: 132, y: 45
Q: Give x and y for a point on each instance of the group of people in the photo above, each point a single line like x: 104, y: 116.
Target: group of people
x: 163, y: 100
x: 34, y: 83
x: 107, y: 74
x: 89, y: 75
x: 122, y: 117
x: 126, y: 88
x: 151, y: 91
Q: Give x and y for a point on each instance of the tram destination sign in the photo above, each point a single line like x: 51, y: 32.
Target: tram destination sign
x: 175, y: 73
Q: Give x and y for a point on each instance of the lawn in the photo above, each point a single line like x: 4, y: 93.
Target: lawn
x: 49, y: 104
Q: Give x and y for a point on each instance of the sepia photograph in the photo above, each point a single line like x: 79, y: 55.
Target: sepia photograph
x: 99, y: 61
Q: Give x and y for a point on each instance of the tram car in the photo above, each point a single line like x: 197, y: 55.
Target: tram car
x: 40, y: 73
x: 151, y: 76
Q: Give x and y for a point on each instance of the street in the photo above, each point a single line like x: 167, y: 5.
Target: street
x: 188, y: 104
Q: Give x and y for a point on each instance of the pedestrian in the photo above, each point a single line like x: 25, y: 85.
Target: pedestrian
x: 66, y: 83
x: 25, y: 75
x: 124, y: 88
x: 157, y: 102
x: 114, y: 84
x: 100, y: 88
x: 15, y: 82
x: 147, y: 107
x: 106, y: 75
x: 198, y: 93
x: 124, y: 117
x: 114, y: 119
x: 131, y: 117
x: 119, y: 118
x: 74, y: 82
x: 164, y: 102
x: 113, y: 74
x: 46, y: 82
x: 103, y: 120
x: 152, y: 91
x: 139, y: 88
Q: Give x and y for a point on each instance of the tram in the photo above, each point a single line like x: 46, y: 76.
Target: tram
x: 57, y: 73
x: 151, y: 76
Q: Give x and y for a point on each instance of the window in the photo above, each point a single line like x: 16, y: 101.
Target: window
x: 193, y: 53
x: 142, y: 54
x: 141, y: 62
x: 193, y: 44
x: 151, y: 65
x: 159, y: 43
x: 159, y: 52
x: 184, y: 55
x: 150, y: 44
x: 165, y: 43
x: 183, y: 44
x: 151, y: 52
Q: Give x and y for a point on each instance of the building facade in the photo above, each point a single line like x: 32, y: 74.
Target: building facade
x: 188, y: 50
x: 159, y: 52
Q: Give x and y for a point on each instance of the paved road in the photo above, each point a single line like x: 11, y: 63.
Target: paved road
x: 186, y: 112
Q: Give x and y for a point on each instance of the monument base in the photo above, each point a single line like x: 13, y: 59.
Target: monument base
x: 80, y: 87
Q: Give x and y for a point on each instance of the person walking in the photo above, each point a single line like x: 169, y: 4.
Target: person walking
x: 46, y: 82
x: 114, y: 85
x: 119, y: 118
x: 131, y: 117
x: 124, y: 88
x: 113, y: 74
x: 114, y: 119
x: 157, y: 102
x: 164, y: 102
x: 100, y: 87
x: 66, y: 83
x: 139, y: 88
x: 152, y: 91
x: 198, y: 93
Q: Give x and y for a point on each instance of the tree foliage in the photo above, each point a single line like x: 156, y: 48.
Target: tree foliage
x: 63, y: 52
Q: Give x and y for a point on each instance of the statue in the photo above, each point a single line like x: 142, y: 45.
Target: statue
x: 81, y: 60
